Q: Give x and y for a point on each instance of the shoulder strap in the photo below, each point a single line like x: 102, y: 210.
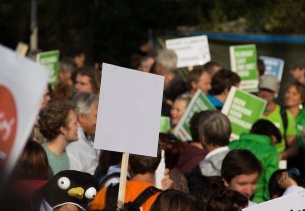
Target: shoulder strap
x: 146, y: 194
x: 284, y: 119
x: 106, y: 178
x: 111, y: 199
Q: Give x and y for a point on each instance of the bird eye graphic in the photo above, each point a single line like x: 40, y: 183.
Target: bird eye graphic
x: 90, y: 193
x: 63, y: 183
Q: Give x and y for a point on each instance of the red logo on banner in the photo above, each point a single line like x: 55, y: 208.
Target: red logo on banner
x: 8, y: 124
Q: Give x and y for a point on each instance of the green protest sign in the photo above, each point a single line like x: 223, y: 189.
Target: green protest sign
x: 243, y: 109
x: 50, y: 60
x: 198, y: 103
x: 244, y: 62
x: 164, y: 124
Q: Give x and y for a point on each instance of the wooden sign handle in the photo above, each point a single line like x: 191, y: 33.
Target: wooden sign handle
x: 122, y: 187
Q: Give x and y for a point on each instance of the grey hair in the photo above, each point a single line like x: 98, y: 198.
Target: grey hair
x: 66, y: 66
x: 215, y: 127
x: 84, y: 101
x: 168, y: 59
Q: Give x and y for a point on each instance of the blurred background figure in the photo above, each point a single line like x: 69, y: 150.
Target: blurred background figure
x: 178, y: 108
x: 199, y: 78
x: 166, y: 65
x: 222, y: 82
x: 226, y: 200
x: 78, y: 56
x: 146, y: 63
x: 192, y: 152
x: 65, y: 71
x: 172, y: 151
x: 62, y: 91
x: 82, y: 156
x: 297, y: 71
x: 212, y: 67
x: 31, y: 172
x: 47, y: 97
x: 88, y: 79
x: 294, y: 100
x: 267, y: 90
x: 285, y: 181
x: 260, y: 67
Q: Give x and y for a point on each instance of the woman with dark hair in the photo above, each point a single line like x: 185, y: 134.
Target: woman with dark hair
x: 172, y: 151
x: 33, y: 163
x: 192, y: 152
x: 226, y: 200
x: 31, y: 172
x: 283, y: 182
x: 240, y: 171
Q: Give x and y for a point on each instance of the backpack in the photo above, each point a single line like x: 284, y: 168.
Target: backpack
x: 108, y: 177
x: 112, y: 197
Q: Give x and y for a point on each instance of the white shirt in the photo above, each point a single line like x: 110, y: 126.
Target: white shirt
x: 216, y: 151
x: 82, y: 156
x: 292, y: 189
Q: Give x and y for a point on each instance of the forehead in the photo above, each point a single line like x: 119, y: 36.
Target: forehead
x: 292, y: 88
x: 180, y: 103
x: 82, y: 78
x: 297, y: 69
x: 245, y: 178
x: 205, y: 75
x: 266, y: 90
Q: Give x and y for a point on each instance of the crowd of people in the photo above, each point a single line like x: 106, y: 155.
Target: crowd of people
x: 60, y: 170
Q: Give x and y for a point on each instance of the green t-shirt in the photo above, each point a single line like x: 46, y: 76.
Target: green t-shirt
x: 276, y: 119
x: 57, y: 163
x: 300, y: 124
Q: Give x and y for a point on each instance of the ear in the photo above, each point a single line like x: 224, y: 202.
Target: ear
x: 202, y: 140
x: 225, y: 182
x: 80, y: 118
x: 63, y: 130
x: 194, y: 85
x: 226, y: 91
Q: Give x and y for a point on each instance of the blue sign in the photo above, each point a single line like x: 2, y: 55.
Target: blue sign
x: 273, y: 66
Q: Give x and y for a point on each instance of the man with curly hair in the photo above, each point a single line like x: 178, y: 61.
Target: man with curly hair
x: 58, y: 124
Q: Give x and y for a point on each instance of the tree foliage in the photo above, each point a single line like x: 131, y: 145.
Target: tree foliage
x: 112, y: 29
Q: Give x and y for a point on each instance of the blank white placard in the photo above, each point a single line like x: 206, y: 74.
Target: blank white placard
x: 129, y: 111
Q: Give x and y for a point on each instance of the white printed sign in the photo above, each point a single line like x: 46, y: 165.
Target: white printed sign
x: 292, y: 202
x: 191, y: 51
x: 22, y: 84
